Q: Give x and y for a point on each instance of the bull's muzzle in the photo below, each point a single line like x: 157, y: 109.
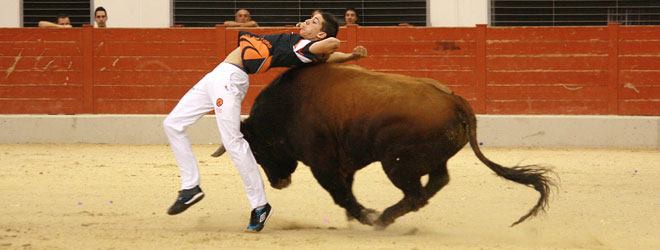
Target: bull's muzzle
x: 281, y: 183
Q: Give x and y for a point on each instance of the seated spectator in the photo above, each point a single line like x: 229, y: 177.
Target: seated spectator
x: 242, y: 18
x: 351, y: 16
x: 101, y: 17
x: 63, y: 21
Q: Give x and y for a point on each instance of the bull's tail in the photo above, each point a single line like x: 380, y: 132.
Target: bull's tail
x: 529, y: 175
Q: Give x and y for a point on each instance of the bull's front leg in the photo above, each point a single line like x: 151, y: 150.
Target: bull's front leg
x: 371, y: 214
x: 339, y: 187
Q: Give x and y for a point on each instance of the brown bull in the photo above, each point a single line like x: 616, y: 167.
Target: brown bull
x: 338, y: 119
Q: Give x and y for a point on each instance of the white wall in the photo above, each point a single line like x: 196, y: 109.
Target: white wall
x: 157, y: 13
x: 557, y: 131
x: 457, y: 13
x: 135, y: 13
x: 10, y: 13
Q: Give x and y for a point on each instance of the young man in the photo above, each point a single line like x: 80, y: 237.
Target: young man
x: 242, y: 18
x: 351, y: 16
x: 223, y: 90
x: 101, y: 17
x: 63, y: 21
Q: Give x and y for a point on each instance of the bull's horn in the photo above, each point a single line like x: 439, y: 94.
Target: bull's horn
x: 221, y: 150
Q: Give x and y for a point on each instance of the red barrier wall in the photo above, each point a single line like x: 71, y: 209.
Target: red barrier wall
x: 521, y: 70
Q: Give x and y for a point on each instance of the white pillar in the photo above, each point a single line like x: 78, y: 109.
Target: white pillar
x: 10, y: 13
x: 457, y: 13
x: 136, y: 14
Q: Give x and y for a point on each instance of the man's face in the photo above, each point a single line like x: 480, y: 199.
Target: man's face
x: 100, y: 18
x: 63, y: 21
x: 243, y: 16
x: 350, y: 17
x: 311, y: 28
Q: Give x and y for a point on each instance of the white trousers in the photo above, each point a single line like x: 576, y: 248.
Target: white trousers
x: 221, y: 90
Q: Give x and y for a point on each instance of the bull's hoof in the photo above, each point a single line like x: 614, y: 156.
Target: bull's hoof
x: 371, y: 214
x: 349, y: 217
x: 281, y: 183
x: 380, y: 225
x: 368, y: 216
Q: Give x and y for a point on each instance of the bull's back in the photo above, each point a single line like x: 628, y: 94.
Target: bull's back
x: 367, y: 108
x: 348, y: 92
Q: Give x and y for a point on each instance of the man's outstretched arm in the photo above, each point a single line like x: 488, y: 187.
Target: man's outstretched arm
x: 340, y: 57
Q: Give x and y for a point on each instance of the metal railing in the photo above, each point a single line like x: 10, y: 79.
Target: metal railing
x: 573, y: 12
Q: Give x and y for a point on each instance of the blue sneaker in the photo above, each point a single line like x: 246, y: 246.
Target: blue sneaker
x: 186, y: 198
x: 258, y: 218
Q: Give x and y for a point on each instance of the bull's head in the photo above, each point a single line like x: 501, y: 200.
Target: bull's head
x: 270, y: 153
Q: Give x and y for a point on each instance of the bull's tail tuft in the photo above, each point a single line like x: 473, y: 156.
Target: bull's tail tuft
x: 529, y: 175
x: 534, y: 176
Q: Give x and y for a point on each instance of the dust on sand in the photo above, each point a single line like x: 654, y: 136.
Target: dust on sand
x: 115, y: 196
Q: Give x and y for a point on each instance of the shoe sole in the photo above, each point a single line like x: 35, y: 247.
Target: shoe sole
x: 198, y: 197
x: 267, y: 217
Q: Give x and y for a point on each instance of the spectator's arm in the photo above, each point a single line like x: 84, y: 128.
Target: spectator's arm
x: 47, y: 24
x: 250, y: 24
x: 237, y: 24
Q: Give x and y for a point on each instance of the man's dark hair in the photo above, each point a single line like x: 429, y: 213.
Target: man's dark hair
x: 100, y: 8
x: 61, y: 15
x: 330, y: 25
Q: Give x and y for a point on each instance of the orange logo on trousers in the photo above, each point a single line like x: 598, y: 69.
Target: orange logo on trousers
x: 219, y: 102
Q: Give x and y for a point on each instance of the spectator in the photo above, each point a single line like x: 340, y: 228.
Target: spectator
x: 351, y: 16
x: 63, y: 21
x: 101, y: 17
x: 242, y: 18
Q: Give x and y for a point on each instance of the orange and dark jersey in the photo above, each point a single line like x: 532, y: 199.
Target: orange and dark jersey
x: 260, y: 53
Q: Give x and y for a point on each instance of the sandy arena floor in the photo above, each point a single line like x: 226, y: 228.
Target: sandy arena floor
x: 115, y: 197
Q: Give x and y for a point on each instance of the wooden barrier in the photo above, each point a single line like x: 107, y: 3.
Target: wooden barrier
x: 518, y: 70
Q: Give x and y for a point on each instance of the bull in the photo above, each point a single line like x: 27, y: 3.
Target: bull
x: 339, y: 118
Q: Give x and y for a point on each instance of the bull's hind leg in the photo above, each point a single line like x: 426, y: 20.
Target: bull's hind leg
x: 339, y: 186
x: 438, y: 178
x: 415, y: 195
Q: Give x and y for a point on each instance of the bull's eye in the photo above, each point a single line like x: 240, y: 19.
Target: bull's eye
x: 397, y: 159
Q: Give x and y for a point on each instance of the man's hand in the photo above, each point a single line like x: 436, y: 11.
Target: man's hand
x: 339, y: 57
x: 359, y: 52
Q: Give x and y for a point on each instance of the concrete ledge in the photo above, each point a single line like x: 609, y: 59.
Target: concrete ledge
x: 493, y: 130
x: 569, y: 131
